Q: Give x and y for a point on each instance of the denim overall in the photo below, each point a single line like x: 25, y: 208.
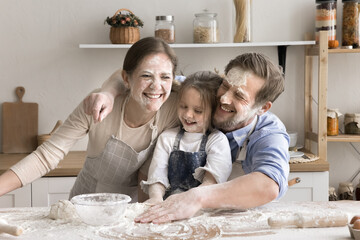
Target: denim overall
x: 182, y: 166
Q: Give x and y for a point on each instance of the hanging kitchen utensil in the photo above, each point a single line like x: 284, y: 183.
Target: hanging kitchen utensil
x: 19, y: 125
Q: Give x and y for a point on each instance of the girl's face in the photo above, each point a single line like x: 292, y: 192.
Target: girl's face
x: 192, y: 113
x: 150, y: 83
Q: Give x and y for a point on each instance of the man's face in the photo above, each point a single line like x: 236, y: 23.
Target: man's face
x: 236, y: 99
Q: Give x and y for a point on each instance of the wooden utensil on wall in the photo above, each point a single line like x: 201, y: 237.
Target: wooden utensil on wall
x: 19, y: 125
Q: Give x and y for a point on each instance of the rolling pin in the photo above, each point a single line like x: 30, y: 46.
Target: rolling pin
x: 9, y: 229
x: 309, y: 220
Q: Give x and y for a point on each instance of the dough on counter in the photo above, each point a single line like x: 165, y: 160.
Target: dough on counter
x: 63, y: 209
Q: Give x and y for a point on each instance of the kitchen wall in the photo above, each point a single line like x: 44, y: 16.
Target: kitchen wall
x: 40, y: 39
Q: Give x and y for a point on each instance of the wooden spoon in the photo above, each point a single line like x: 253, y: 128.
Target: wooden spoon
x: 10, y: 229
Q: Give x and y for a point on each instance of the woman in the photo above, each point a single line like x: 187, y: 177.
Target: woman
x: 120, y: 145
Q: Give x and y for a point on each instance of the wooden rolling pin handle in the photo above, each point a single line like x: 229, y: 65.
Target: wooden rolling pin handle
x: 309, y: 220
x: 294, y: 181
x: 9, y: 229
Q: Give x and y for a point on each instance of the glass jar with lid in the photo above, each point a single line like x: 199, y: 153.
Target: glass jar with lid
x: 350, y: 23
x: 165, y: 28
x: 325, y: 18
x: 205, y: 27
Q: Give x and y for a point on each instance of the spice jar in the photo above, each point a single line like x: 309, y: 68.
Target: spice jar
x: 165, y: 28
x: 350, y: 23
x: 333, y: 122
x: 205, y: 28
x: 352, y: 123
x: 346, y: 191
x: 325, y: 18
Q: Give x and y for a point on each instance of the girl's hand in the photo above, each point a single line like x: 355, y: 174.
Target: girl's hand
x: 153, y: 201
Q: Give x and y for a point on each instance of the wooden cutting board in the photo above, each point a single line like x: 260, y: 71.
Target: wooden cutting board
x: 19, y: 125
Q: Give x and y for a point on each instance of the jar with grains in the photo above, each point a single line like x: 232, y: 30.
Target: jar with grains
x: 206, y: 28
x: 165, y: 28
x: 333, y: 122
x: 350, y: 23
x: 325, y: 18
x: 352, y: 123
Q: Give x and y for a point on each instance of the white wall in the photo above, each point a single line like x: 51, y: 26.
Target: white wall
x: 40, y: 39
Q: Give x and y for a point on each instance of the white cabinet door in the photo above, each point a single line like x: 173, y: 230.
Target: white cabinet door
x: 18, y: 198
x: 314, y: 186
x: 49, y: 190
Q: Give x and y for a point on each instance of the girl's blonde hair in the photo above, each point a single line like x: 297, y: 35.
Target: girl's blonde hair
x: 207, y: 84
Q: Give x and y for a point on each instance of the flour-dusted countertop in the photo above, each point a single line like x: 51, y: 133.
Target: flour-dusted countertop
x: 70, y: 166
x: 218, y: 224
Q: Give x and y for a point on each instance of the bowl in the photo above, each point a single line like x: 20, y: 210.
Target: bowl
x: 293, y: 138
x: 100, y: 208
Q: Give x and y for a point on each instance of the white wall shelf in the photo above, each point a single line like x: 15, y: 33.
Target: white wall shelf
x: 209, y: 45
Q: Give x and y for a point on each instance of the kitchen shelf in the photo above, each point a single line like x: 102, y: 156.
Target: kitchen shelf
x: 209, y: 45
x: 282, y: 46
x: 322, y: 52
x: 344, y: 138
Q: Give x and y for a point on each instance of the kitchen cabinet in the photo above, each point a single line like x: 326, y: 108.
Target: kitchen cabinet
x: 41, y: 193
x: 49, y: 190
x: 18, y: 198
x: 320, y: 138
x: 313, y: 186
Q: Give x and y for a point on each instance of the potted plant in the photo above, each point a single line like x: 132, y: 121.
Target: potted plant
x: 124, y: 27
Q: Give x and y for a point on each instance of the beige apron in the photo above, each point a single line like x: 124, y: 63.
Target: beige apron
x: 237, y: 169
x: 116, y: 168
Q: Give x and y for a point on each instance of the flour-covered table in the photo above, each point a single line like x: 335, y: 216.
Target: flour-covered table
x: 214, y: 224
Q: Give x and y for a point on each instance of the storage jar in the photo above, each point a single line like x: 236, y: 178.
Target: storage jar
x: 325, y: 18
x: 243, y: 20
x: 165, y: 28
x: 205, y: 28
x: 350, y: 23
x: 352, y: 123
x: 333, y: 122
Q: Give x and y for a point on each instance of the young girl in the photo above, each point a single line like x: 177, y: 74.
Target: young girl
x: 193, y: 154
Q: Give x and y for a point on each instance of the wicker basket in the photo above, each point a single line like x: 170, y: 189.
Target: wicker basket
x: 124, y: 35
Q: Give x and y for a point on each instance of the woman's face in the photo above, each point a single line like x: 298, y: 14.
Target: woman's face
x: 150, y: 83
x: 192, y: 113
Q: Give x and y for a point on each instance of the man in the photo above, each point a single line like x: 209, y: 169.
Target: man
x: 257, y: 138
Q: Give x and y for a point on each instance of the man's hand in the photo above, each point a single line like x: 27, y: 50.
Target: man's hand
x: 99, y: 105
x: 176, y: 207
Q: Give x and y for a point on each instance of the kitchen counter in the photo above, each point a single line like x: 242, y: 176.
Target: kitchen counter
x: 70, y: 166
x: 216, y: 224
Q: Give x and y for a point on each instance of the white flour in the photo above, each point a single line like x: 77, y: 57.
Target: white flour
x: 231, y: 224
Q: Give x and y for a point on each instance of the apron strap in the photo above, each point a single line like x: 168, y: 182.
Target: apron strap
x: 204, y: 141
x: 177, y: 139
